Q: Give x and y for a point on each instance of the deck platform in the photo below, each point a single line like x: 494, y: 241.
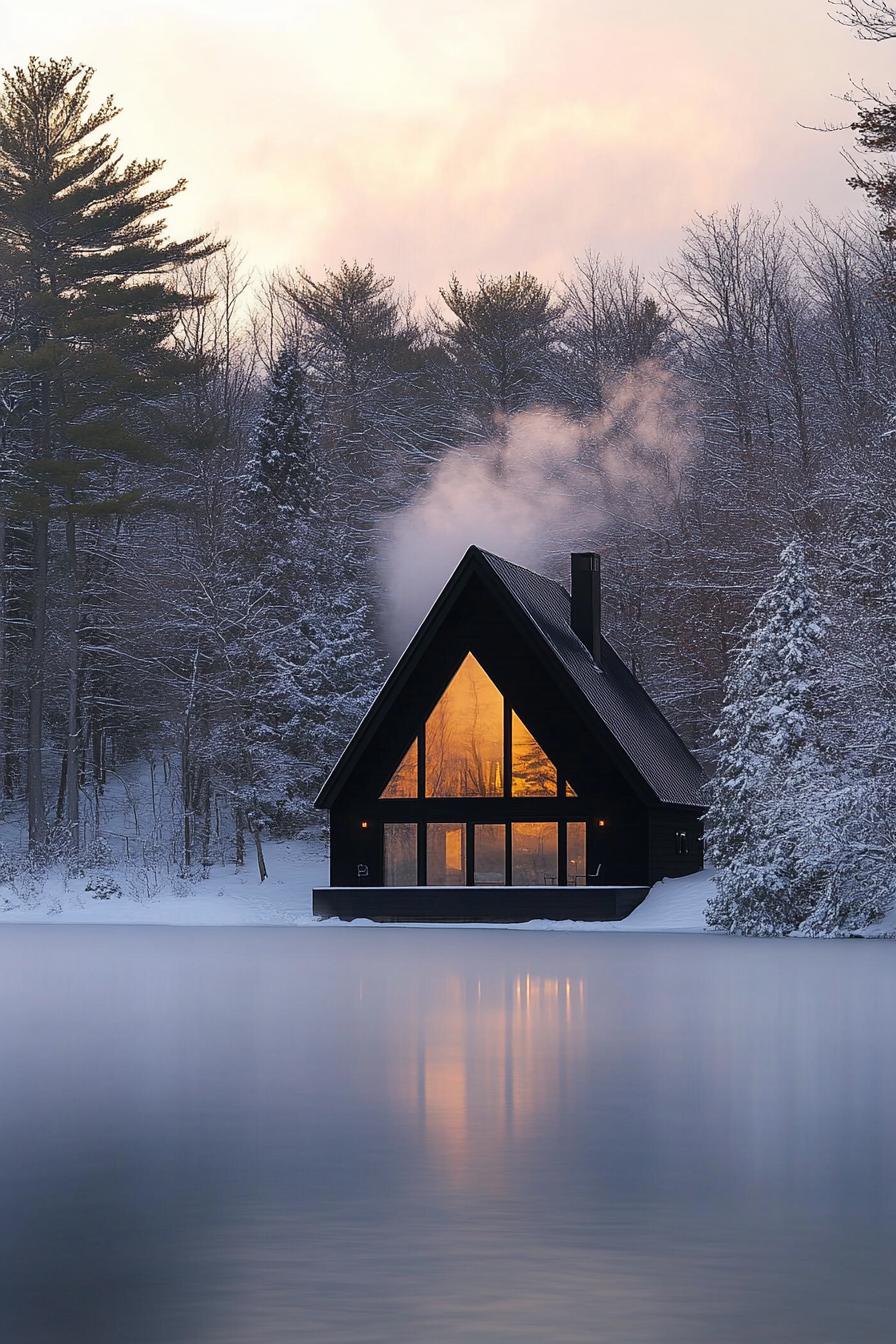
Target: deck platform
x: 476, y: 905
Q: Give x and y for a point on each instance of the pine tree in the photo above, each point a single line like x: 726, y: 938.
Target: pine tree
x: 367, y: 359
x: 499, y: 338
x: 83, y: 237
x: 770, y: 761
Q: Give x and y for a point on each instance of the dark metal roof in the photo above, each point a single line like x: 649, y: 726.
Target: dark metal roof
x: 612, y: 690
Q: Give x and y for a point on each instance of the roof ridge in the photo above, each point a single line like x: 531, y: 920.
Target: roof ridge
x: 513, y: 564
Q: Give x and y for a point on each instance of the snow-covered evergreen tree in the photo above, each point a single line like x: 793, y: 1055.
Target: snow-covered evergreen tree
x: 314, y: 664
x: 853, y: 819
x: 285, y: 474
x: 321, y: 678
x: 771, y: 757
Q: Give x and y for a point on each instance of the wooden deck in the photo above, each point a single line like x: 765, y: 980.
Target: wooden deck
x: 476, y: 905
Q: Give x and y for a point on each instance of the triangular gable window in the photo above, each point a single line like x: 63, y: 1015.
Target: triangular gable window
x: 533, y: 774
x: 464, y: 748
x: 465, y: 737
x: 403, y: 783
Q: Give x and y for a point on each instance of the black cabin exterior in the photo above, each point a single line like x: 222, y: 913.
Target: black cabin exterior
x: 511, y: 767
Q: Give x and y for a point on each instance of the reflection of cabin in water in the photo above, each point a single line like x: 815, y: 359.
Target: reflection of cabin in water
x: 511, y: 768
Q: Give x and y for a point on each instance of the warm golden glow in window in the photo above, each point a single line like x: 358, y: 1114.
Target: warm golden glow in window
x: 403, y: 783
x: 570, y: 791
x: 400, y: 854
x: 464, y: 737
x: 489, y: 843
x: 575, y: 853
x: 446, y: 854
x: 534, y: 853
x: 533, y: 775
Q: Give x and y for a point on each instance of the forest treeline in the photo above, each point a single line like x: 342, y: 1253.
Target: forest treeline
x: 195, y: 462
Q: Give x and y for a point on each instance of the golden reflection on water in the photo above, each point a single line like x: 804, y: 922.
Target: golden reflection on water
x: 493, y: 1062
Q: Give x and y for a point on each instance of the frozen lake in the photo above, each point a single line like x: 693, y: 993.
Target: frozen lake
x: 362, y: 1136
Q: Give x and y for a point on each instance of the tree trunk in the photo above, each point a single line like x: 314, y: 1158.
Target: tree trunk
x: 240, y: 837
x: 72, y: 790
x: 37, y: 812
x: 256, y: 836
x: 186, y: 793
x: 186, y: 765
x: 96, y: 742
x: 4, y: 741
x: 11, y: 773
x: 60, y: 796
x: 204, y: 800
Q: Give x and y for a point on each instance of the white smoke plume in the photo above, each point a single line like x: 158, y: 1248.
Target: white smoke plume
x: 543, y: 485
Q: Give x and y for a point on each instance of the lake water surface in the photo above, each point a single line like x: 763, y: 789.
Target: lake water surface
x: 354, y: 1136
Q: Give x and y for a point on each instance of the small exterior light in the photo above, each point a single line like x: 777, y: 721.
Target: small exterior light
x: 365, y: 824
x: 601, y: 821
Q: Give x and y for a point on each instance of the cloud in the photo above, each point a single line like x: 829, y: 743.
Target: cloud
x: 482, y: 135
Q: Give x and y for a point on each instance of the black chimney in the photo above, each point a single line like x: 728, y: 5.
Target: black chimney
x: 584, y: 616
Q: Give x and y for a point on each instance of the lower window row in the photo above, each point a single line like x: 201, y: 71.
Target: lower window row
x: 534, y: 853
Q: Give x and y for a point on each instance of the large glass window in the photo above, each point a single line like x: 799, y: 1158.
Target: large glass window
x: 533, y: 847
x: 489, y: 843
x: 465, y: 737
x: 575, y: 853
x: 533, y: 775
x: 400, y: 854
x: 446, y: 854
x: 403, y: 783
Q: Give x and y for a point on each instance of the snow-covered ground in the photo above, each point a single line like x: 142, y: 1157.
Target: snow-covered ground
x: 232, y: 897
x: 229, y: 897
x: 884, y: 928
x: 226, y: 896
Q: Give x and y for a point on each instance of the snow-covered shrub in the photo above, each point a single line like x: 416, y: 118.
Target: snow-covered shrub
x: 103, y: 887
x: 56, y: 849
x: 28, y: 885
x: 95, y: 856
x: 10, y: 865
x: 143, y: 882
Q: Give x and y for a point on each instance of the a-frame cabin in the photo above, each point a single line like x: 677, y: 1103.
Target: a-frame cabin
x: 511, y: 768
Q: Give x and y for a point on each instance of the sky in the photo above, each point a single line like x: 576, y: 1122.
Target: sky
x: 468, y: 136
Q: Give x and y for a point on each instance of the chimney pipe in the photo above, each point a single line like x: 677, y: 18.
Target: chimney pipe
x: 584, y: 590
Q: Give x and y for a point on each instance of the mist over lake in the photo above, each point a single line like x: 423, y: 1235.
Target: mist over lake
x: 210, y: 1136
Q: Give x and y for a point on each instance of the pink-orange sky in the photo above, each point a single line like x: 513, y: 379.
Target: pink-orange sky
x: 467, y: 135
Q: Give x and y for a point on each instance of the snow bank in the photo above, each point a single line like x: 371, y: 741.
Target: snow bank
x: 675, y: 905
